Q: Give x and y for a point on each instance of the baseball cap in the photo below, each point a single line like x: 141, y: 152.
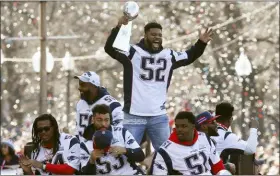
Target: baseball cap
x: 90, y: 77
x: 204, y: 117
x: 102, y: 139
x: 9, y: 143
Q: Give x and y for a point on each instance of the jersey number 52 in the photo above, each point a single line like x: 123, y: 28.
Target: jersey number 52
x: 151, y: 73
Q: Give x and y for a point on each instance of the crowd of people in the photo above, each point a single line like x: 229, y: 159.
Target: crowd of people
x: 108, y: 136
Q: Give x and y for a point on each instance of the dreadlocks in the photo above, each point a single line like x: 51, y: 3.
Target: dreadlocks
x: 35, y: 137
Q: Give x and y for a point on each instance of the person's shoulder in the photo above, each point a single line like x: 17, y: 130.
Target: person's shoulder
x: 108, y: 100
x: 82, y: 104
x: 103, y: 91
x: 68, y: 138
x: 201, y: 134
x: 118, y: 129
x: 167, y: 145
x: 205, y: 138
x: 221, y: 132
x: 65, y: 136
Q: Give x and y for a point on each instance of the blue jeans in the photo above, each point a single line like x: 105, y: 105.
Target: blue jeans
x: 157, y: 128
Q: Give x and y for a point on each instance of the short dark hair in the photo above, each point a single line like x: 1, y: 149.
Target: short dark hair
x: 225, y: 111
x: 186, y: 115
x: 152, y: 25
x: 101, y: 109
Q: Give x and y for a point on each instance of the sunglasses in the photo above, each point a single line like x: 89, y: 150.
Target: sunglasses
x: 46, y: 129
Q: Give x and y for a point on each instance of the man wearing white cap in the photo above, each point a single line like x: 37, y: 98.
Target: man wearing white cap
x: 92, y: 94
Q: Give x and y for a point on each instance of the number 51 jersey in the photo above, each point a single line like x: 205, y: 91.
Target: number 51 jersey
x: 197, y: 159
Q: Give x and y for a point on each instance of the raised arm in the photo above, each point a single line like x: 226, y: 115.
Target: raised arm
x: 109, y: 49
x: 187, y: 57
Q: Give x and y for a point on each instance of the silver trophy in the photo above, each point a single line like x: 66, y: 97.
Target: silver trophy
x: 130, y: 10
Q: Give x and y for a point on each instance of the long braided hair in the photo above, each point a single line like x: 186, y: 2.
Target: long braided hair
x: 36, y: 139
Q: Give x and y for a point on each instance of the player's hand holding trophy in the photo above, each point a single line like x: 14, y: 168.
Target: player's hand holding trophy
x: 130, y: 11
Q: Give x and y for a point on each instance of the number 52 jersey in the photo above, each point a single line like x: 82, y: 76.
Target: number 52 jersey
x: 147, y: 74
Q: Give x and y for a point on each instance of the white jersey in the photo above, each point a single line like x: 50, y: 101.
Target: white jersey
x: 228, y: 143
x: 68, y: 153
x: 173, y: 158
x: 84, y: 111
x: 147, y: 76
x: 108, y: 164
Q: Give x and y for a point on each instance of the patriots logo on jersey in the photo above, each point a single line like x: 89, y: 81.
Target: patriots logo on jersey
x: 162, y: 107
x: 72, y: 158
x: 84, y: 157
x: 130, y: 141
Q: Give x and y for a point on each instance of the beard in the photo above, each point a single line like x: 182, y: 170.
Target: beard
x: 85, y: 96
x: 212, y: 132
x: 152, y: 46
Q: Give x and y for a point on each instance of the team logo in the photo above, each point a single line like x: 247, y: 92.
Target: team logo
x: 162, y: 107
x: 71, y: 158
x: 130, y: 141
x: 84, y: 157
x: 88, y: 73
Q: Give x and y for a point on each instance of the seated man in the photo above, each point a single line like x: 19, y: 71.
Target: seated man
x: 229, y: 143
x: 53, y: 152
x: 187, y: 151
x: 112, y: 151
x: 206, y: 122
